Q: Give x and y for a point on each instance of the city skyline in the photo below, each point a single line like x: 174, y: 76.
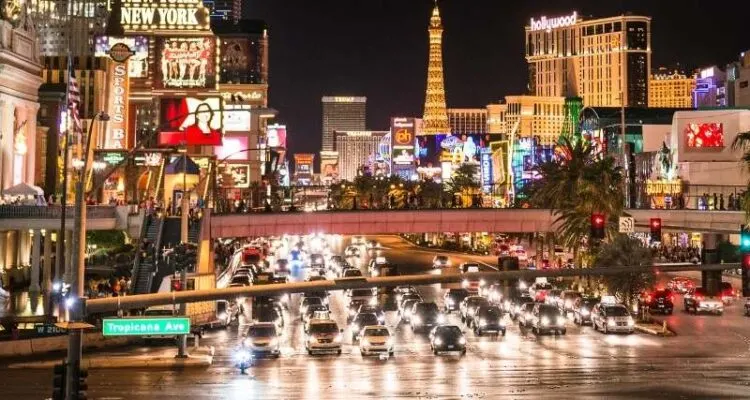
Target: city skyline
x: 469, y: 31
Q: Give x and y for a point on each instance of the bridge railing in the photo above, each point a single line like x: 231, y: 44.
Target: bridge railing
x: 53, y: 211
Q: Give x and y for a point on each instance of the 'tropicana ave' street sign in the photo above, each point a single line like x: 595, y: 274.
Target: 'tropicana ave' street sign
x: 145, y: 326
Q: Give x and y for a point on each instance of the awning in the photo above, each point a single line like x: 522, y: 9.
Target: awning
x: 182, y: 164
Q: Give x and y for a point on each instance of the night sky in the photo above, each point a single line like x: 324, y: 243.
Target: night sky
x: 378, y: 49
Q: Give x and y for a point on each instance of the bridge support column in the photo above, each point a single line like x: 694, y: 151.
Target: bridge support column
x: 711, y: 280
x: 35, y: 259
x: 3, y: 250
x: 68, y: 256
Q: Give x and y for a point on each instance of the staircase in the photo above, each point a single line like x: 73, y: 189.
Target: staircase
x: 145, y: 267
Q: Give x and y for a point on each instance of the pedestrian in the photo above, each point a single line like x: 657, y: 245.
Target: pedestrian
x: 721, y: 202
x: 731, y: 201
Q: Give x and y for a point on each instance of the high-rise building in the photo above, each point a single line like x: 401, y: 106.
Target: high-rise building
x: 671, y: 89
x: 467, y: 120
x: 738, y: 81
x: 496, y: 118
x: 710, y: 88
x: 435, y: 116
x: 68, y: 27
x: 224, y: 10
x: 535, y: 116
x: 355, y: 149
x: 342, y: 113
x: 606, y: 62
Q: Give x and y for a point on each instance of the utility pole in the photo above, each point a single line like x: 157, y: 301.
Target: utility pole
x: 182, y: 345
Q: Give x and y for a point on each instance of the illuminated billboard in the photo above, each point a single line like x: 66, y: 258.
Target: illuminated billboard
x: 276, y: 136
x: 403, y: 139
x: 329, y: 166
x: 184, y: 15
x: 191, y: 121
x: 704, y: 135
x: 433, y: 150
x: 548, y: 24
x: 236, y: 175
x: 138, y: 45
x: 239, y: 61
x: 185, y: 63
x: 232, y: 148
x: 237, y: 118
x: 118, y: 88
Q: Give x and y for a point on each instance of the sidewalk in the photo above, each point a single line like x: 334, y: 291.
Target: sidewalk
x: 201, y: 357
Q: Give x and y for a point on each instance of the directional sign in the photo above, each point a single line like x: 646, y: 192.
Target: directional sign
x: 145, y: 326
x: 627, y: 224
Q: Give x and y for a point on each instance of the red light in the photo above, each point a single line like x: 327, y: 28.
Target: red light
x: 655, y: 222
x: 746, y: 260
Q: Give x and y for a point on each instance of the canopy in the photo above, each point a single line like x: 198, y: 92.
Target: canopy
x: 182, y: 164
x: 23, y: 189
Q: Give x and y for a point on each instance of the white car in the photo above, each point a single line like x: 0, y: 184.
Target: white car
x: 323, y: 335
x: 375, y: 339
x: 263, y: 338
x: 612, y: 318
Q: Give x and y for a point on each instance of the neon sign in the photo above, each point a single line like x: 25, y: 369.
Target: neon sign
x: 119, y: 86
x: 163, y: 14
x: 548, y: 24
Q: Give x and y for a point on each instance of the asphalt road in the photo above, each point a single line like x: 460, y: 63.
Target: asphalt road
x: 709, y: 358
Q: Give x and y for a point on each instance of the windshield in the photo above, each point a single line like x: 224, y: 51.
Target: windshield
x: 367, y: 319
x: 616, y: 311
x: 261, y: 331
x: 458, y: 293
x: 361, y: 293
x: 352, y: 272
x: 441, y: 258
x: 161, y: 313
x: 377, y: 332
x: 549, y: 310
x: 491, y: 313
x: 312, y: 300
x: 266, y: 314
x: 427, y: 308
x: 316, y: 307
x: 324, y: 328
x: 448, y: 331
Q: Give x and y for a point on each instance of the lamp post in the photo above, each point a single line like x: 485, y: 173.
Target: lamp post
x: 77, y: 270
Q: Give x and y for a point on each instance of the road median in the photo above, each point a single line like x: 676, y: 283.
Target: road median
x: 653, y: 328
x: 198, y: 358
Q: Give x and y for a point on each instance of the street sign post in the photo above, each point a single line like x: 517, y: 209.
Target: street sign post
x: 145, y: 326
x: 627, y: 225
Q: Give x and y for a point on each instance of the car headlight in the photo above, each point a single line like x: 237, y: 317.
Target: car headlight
x: 381, y: 319
x: 482, y: 322
x: 373, y: 301
x: 449, y: 301
x: 355, y: 328
x: 585, y: 312
x: 273, y: 343
x: 352, y: 312
x: 568, y: 303
x: 374, y: 272
x: 416, y: 320
x: 465, y: 283
x: 522, y: 286
x: 561, y: 320
x: 438, y: 342
x: 611, y: 322
x: 631, y: 322
x: 242, y: 356
x: 506, y: 304
x: 482, y: 282
x: 441, y: 319
x: 338, y: 338
x: 222, y: 316
x: 545, y: 321
x: 462, y: 340
x: 364, y: 342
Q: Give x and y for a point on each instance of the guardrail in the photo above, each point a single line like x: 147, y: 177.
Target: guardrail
x: 53, y: 211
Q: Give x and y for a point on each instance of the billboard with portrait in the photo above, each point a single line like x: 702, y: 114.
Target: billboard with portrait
x: 276, y: 136
x: 191, y: 121
x: 138, y: 45
x: 704, y: 135
x: 185, y: 63
x: 434, y: 150
x: 236, y: 175
x: 329, y: 166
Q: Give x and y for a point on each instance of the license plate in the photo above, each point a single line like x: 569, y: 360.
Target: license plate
x: 450, y: 346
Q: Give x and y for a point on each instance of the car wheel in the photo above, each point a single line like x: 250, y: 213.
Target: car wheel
x: 463, y: 352
x: 434, y: 351
x: 503, y: 332
x: 604, y: 329
x: 390, y: 354
x: 309, y: 352
x: 534, y: 330
x: 338, y: 352
x: 563, y: 331
x: 463, y: 319
x: 478, y: 332
x: 361, y: 353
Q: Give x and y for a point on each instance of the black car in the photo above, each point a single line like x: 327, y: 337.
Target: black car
x: 271, y: 314
x: 362, y: 320
x: 547, y: 318
x: 582, y: 309
x: 404, y: 298
x: 425, y: 316
x: 447, y: 338
x: 366, y: 308
x: 351, y: 273
x: 660, y: 301
x: 489, y: 319
x: 453, y: 298
x: 513, y: 305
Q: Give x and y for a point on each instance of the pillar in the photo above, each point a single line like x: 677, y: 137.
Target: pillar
x: 711, y: 280
x: 35, y: 260
x: 31, y: 169
x: 7, y: 119
x: 46, y: 285
x: 68, y: 256
x: 24, y: 247
x: 4, y: 250
x: 12, y: 249
x: 21, y: 116
x: 59, y: 267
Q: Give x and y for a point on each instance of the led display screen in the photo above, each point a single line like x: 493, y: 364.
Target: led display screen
x: 191, y: 121
x: 185, y: 63
x: 703, y: 135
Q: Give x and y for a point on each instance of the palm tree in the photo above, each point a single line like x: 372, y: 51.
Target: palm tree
x: 742, y: 142
x: 576, y: 185
x: 625, y: 251
x: 432, y: 194
x: 464, y: 180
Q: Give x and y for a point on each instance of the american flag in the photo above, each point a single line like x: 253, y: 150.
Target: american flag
x: 74, y: 100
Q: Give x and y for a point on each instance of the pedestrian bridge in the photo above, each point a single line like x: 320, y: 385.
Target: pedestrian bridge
x: 13, y: 217
x: 449, y: 220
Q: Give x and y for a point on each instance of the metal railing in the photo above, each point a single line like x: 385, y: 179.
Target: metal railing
x: 54, y: 211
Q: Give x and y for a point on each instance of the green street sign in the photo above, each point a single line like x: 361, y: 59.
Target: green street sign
x: 145, y: 326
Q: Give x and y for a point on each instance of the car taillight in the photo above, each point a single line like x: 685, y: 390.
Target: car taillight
x: 671, y: 298
x: 648, y: 298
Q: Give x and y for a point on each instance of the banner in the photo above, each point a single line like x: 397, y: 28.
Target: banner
x: 191, y: 121
x: 499, y: 159
x: 118, y: 88
x: 185, y: 62
x: 486, y: 170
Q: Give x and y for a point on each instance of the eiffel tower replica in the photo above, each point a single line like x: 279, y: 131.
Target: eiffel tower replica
x: 435, y: 118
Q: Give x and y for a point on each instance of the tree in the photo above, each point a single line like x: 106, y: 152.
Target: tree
x: 575, y: 185
x: 464, y: 180
x: 432, y: 194
x: 625, y: 251
x: 742, y: 143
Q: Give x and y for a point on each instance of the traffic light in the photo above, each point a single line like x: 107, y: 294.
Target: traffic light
x: 597, y: 226
x: 655, y: 226
x: 80, y: 384
x: 745, y: 274
x: 58, y: 381
x: 745, y: 238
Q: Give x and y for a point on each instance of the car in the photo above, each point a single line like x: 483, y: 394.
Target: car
x: 368, y: 295
x: 311, y: 310
x: 513, y: 305
x: 468, y: 267
x: 360, y: 321
x: 447, y: 338
x: 728, y: 294
x: 400, y: 291
x: 524, y: 314
x: 367, y: 308
x: 696, y: 300
x: 520, y: 253
x: 375, y: 265
x: 747, y: 308
x: 406, y: 306
x: 323, y: 335
x: 351, y: 273
x: 281, y: 267
x: 409, y: 296
x: 159, y: 311
x: 243, y: 280
x: 372, y: 245
x: 489, y: 318
x: 661, y: 301
x: 547, y: 318
x: 680, y: 284
x: 313, y: 278
x: 358, y: 240
x: 425, y: 316
x: 452, y: 299
x: 336, y: 260
x: 582, y: 309
x: 552, y: 297
x: 472, y: 284
x: 352, y: 251
x: 567, y: 300
x: 469, y: 306
x: 493, y: 292
x: 263, y: 338
x: 441, y: 261
x: 262, y: 278
x: 269, y: 313
x: 539, y: 290
x: 375, y: 339
x: 308, y: 301
x: 614, y: 318
x: 317, y: 260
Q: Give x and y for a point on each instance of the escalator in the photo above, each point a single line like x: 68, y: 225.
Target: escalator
x: 145, y: 261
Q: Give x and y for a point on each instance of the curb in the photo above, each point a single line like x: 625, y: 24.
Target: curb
x: 654, y: 329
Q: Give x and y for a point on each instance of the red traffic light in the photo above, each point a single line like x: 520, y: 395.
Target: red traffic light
x: 597, y: 220
x: 746, y: 260
x: 655, y: 223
